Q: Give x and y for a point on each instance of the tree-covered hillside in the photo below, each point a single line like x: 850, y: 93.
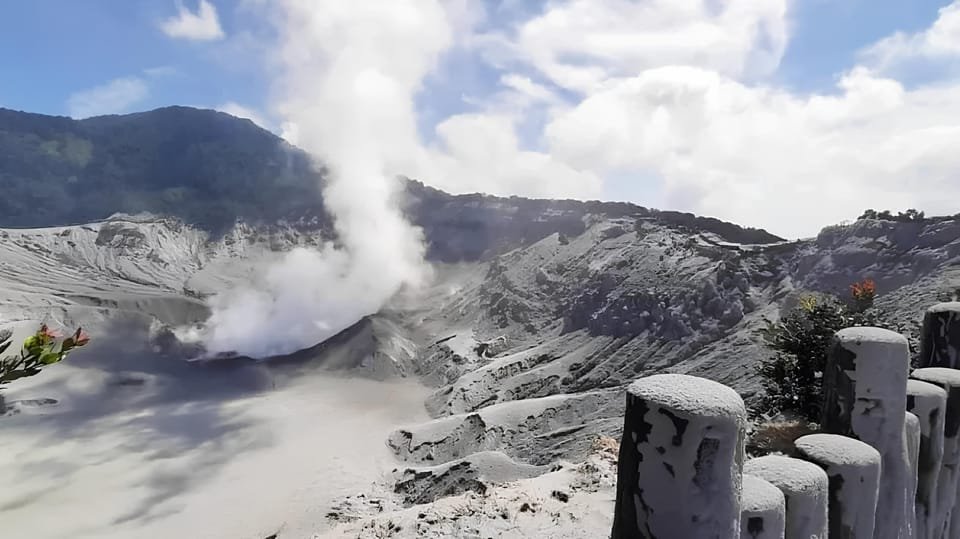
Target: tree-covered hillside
x: 203, y: 166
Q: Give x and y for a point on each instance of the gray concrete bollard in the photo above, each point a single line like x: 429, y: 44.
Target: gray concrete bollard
x: 940, y: 337
x: 763, y: 510
x: 865, y: 398
x: 947, y: 479
x: 911, y: 433
x: 853, y: 469
x: 929, y: 403
x: 804, y: 486
x: 681, y: 460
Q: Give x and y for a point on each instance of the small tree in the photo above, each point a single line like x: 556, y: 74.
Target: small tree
x: 43, y: 348
x: 793, y: 376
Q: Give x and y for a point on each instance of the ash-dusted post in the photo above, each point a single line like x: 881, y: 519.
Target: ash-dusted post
x: 864, y: 388
x: 911, y: 432
x: 763, y: 510
x: 681, y: 460
x: 929, y: 403
x: 947, y: 479
x: 853, y: 469
x: 940, y: 338
x: 804, y: 486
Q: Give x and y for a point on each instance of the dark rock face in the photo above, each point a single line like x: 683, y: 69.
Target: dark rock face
x: 119, y: 235
x: 477, y: 227
x: 418, y: 487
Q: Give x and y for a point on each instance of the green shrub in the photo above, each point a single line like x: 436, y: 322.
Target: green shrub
x: 792, y: 377
x: 43, y: 348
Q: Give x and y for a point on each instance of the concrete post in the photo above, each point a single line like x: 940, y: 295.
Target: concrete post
x: 911, y: 433
x: 763, y: 510
x: 929, y: 403
x: 804, y: 487
x: 947, y: 480
x: 853, y: 469
x: 681, y: 460
x: 865, y: 398
x: 940, y: 338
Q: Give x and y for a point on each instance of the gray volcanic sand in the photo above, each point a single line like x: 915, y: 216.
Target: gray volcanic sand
x: 156, y: 448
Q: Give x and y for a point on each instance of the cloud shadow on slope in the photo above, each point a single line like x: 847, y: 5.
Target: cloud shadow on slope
x: 156, y: 407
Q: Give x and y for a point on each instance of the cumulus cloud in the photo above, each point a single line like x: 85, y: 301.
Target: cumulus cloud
x: 579, y: 44
x: 481, y: 153
x: 941, y: 41
x: 204, y: 25
x: 764, y: 157
x: 114, y: 97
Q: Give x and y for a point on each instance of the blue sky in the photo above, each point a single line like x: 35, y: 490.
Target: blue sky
x: 56, y: 48
x: 76, y: 46
x: 664, y: 103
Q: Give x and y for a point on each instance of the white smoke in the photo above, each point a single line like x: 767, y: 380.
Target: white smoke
x: 347, y: 75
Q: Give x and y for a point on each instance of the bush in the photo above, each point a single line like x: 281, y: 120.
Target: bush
x: 792, y: 377
x: 909, y: 216
x: 43, y: 348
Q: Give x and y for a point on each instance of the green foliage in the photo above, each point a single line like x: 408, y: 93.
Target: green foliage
x: 202, y: 166
x: 792, y: 377
x: 37, y: 351
x: 909, y: 216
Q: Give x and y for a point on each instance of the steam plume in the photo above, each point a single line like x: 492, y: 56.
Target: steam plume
x: 348, y: 73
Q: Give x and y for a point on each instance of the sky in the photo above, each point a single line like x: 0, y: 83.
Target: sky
x: 788, y: 115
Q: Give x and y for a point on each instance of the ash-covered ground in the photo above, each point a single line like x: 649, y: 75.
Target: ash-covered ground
x: 483, y: 405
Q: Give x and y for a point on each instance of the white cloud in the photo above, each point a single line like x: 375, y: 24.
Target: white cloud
x: 240, y: 111
x: 481, y: 153
x: 161, y: 71
x: 940, y: 41
x: 528, y: 91
x: 204, y: 25
x: 763, y: 157
x: 579, y: 44
x: 114, y: 97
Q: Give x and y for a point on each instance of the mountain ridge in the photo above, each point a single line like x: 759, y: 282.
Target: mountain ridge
x: 210, y: 169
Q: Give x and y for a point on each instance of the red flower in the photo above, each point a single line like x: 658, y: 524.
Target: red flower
x: 47, y: 332
x: 81, y: 338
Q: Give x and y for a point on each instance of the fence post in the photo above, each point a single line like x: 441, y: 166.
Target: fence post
x: 947, y: 480
x: 940, y: 337
x: 865, y: 398
x: 853, y: 469
x: 929, y: 403
x: 763, y: 511
x: 681, y: 460
x: 804, y: 486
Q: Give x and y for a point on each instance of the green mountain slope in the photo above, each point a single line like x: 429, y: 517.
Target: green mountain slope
x: 205, y: 167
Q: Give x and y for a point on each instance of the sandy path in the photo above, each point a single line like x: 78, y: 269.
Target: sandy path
x: 237, y: 468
